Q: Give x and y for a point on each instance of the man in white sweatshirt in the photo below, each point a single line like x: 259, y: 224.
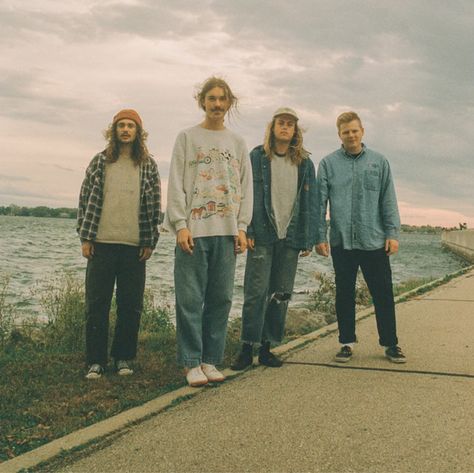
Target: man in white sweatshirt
x: 209, y: 206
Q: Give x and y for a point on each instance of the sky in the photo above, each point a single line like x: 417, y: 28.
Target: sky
x: 406, y: 67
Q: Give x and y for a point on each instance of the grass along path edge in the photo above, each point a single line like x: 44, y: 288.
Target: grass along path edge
x: 78, y: 439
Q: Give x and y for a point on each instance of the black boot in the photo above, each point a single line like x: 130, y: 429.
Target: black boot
x: 267, y: 358
x: 245, y: 358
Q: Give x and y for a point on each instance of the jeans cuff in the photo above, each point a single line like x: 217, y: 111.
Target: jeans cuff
x: 190, y: 362
x: 212, y: 361
x: 250, y: 342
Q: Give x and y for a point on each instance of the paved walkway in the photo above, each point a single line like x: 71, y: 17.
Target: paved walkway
x: 313, y: 415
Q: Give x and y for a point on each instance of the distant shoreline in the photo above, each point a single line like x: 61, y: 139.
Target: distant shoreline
x: 71, y: 213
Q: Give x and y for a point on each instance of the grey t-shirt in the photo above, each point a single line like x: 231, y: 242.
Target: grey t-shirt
x: 284, y: 190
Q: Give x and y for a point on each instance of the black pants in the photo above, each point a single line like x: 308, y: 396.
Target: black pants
x: 113, y: 263
x: 375, y: 266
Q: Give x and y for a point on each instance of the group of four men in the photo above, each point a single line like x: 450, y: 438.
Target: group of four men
x: 221, y: 203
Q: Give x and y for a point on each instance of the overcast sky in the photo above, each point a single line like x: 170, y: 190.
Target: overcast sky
x: 407, y: 67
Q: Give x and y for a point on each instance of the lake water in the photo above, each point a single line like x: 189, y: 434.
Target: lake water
x: 35, y: 250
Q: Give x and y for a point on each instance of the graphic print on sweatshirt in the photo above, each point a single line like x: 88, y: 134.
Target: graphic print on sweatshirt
x: 216, y: 191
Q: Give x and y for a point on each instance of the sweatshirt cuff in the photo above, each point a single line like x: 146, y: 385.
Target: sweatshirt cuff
x: 242, y: 226
x: 180, y: 225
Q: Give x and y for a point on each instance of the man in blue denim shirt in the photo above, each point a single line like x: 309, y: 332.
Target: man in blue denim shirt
x: 283, y: 227
x: 364, y: 231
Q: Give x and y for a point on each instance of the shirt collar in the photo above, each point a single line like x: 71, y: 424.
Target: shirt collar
x: 351, y: 156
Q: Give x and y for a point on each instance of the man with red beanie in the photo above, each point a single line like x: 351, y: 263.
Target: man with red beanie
x: 117, y: 222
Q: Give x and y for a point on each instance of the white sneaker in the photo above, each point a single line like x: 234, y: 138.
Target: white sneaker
x: 95, y: 371
x: 195, y: 377
x: 212, y: 373
x: 123, y: 368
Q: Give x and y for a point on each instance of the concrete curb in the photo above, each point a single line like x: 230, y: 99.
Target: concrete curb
x: 123, y: 420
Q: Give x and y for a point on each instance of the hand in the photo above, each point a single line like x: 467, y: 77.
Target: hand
x: 240, y: 242
x: 145, y: 253
x: 322, y: 249
x: 251, y: 243
x: 305, y: 253
x: 87, y: 249
x: 391, y: 247
x: 185, y: 241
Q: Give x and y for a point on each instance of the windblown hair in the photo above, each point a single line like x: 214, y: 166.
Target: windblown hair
x: 347, y: 117
x: 296, y: 151
x: 140, y: 151
x: 209, y: 84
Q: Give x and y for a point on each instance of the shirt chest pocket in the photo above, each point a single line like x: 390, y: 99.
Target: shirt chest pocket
x: 372, y: 180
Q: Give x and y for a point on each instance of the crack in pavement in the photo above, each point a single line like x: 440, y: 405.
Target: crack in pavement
x: 394, y: 370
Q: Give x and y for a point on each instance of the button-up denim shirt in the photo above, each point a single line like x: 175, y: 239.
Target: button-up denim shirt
x: 301, y: 232
x: 362, y: 201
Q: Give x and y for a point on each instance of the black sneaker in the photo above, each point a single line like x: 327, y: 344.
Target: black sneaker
x: 267, y: 358
x: 344, y: 355
x: 244, y: 360
x: 395, y: 354
x: 95, y: 371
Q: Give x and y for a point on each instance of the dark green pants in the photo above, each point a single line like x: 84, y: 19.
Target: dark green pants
x: 113, y: 264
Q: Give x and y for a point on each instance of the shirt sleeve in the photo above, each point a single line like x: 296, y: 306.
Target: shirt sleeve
x: 176, y: 201
x: 322, y: 196
x: 84, y: 194
x: 156, y: 204
x: 389, y: 206
x: 246, y: 182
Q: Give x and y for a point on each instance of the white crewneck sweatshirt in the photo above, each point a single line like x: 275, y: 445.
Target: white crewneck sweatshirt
x: 210, y: 188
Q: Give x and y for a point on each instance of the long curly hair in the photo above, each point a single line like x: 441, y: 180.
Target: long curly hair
x: 296, y: 151
x: 140, y: 151
x: 209, y: 84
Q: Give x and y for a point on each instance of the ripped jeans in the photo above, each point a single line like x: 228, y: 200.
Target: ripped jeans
x: 269, y: 279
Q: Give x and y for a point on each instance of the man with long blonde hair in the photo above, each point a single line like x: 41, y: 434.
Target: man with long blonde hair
x: 118, y: 216
x: 209, y: 207
x: 283, y: 227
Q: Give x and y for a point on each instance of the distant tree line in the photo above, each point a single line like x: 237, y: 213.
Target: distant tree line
x: 42, y: 211
x: 65, y: 212
x: 424, y: 229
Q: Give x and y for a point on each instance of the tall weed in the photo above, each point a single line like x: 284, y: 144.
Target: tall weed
x: 7, y: 312
x: 62, y: 299
x: 156, y: 317
x: 323, y: 299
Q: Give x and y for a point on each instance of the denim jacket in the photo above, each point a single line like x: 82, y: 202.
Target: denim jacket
x: 301, y: 233
x: 362, y: 200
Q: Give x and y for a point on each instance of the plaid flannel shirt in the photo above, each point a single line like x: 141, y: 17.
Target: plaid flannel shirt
x: 91, y: 201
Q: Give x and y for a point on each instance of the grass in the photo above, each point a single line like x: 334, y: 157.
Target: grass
x: 6, y: 313
x: 323, y: 299
x: 45, y: 395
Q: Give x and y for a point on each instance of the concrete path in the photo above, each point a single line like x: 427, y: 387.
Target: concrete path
x: 313, y: 415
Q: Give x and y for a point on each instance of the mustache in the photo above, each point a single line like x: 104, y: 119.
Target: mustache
x: 218, y: 109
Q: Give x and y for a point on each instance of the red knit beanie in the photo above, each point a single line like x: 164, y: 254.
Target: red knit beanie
x: 130, y: 114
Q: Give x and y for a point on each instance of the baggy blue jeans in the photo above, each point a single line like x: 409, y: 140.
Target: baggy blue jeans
x: 268, y: 285
x: 204, y: 284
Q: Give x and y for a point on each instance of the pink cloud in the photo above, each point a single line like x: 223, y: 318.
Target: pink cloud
x: 411, y: 215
